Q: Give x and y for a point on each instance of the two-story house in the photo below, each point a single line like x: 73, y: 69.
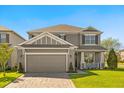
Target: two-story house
x: 13, y: 39
x: 121, y: 52
x: 55, y: 48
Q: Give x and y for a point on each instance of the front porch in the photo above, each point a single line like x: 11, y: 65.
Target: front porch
x: 90, y: 60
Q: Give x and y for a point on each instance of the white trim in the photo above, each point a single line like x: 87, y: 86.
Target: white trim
x: 31, y: 39
x: 49, y: 35
x: 82, y: 60
x: 90, y: 44
x: 66, y: 62
x: 90, y: 34
x: 46, y: 48
x: 30, y: 42
x: 46, y: 39
x: 90, y: 39
x: 66, y: 58
x: 25, y: 63
x: 45, y: 53
x: 101, y: 59
x: 59, y: 39
x: 51, y: 40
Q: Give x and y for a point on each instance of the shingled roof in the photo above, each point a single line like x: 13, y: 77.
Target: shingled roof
x: 4, y: 28
x: 64, y: 28
x: 90, y: 28
x: 61, y: 27
x: 92, y: 48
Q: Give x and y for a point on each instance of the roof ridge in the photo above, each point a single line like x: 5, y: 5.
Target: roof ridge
x: 4, y: 28
x: 55, y: 26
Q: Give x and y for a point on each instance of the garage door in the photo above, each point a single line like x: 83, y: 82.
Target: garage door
x: 46, y: 63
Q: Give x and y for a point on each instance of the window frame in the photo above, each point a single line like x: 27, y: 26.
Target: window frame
x: 89, y: 53
x: 91, y: 39
x: 3, y: 38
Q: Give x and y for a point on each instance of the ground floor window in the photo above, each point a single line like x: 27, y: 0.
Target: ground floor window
x: 89, y: 57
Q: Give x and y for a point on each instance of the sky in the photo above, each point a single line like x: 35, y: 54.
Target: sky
x: 21, y: 19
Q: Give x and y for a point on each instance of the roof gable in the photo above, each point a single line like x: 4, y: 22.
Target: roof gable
x: 46, y: 38
x: 4, y: 29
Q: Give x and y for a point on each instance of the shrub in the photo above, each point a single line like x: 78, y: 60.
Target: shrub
x: 20, y: 69
x: 15, y: 68
x: 8, y: 68
x: 112, y: 60
x: 71, y: 69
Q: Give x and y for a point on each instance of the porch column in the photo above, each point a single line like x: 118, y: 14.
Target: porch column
x: 102, y: 60
x: 82, y: 63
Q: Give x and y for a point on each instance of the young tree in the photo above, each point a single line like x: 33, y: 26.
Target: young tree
x: 5, y: 54
x: 109, y: 44
x: 112, y: 60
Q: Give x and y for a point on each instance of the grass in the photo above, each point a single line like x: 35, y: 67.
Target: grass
x: 10, y: 76
x: 100, y: 78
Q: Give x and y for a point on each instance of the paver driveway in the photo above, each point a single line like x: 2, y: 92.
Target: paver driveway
x: 42, y: 80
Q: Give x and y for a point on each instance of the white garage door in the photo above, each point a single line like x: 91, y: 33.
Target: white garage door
x: 46, y: 63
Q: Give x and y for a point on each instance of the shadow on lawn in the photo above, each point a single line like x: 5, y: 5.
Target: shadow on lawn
x: 88, y: 73
x: 119, y: 69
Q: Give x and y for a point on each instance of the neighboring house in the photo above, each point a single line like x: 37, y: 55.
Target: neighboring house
x: 121, y: 52
x: 13, y: 39
x: 53, y: 49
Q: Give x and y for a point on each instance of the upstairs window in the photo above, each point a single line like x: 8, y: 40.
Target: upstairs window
x: 90, y: 39
x: 4, y: 38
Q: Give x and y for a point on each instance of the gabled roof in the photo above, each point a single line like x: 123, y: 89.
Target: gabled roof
x: 65, y: 28
x: 5, y: 29
x: 57, y: 28
x: 31, y: 42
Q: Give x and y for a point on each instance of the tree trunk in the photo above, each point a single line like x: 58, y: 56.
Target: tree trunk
x: 4, y: 70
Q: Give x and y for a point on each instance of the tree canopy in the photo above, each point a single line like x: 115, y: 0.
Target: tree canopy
x: 111, y: 43
x: 5, y: 54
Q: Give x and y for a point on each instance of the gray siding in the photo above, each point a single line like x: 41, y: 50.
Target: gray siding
x: 73, y: 38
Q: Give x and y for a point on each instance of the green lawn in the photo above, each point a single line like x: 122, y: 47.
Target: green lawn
x: 100, y: 78
x: 10, y: 76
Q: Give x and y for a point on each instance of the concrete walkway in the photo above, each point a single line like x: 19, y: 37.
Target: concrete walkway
x: 42, y: 80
